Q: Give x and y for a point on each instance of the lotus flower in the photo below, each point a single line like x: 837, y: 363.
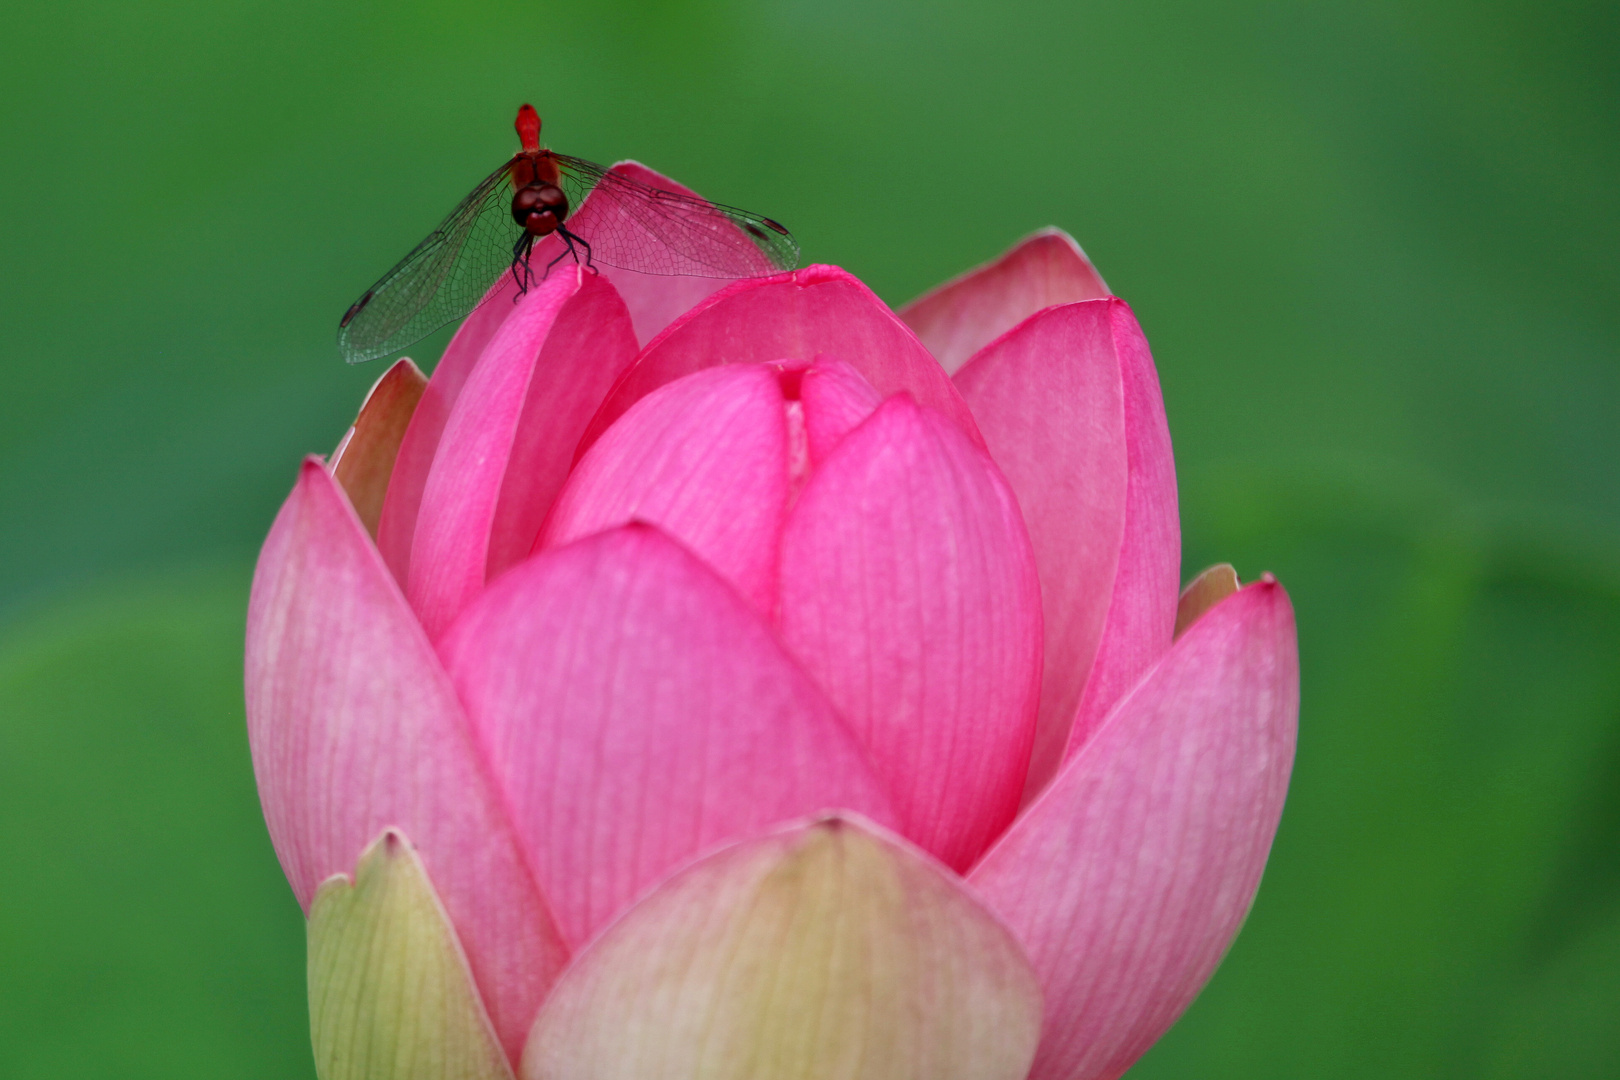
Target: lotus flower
x: 739, y: 680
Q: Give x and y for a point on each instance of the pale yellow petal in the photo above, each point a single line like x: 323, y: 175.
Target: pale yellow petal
x: 390, y: 996
x: 823, y: 952
x: 1206, y: 590
x: 364, y: 461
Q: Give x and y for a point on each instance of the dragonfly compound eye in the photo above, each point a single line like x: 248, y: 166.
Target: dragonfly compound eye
x: 539, y: 208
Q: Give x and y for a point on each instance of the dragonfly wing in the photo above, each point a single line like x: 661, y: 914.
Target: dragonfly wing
x: 441, y: 280
x: 652, y: 230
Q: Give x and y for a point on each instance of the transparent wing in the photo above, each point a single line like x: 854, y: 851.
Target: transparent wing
x: 441, y: 280
x: 650, y: 230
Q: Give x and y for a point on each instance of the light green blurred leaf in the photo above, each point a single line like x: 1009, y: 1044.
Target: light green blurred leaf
x: 145, y: 928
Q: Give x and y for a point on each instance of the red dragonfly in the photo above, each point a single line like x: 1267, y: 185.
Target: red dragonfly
x: 540, y: 193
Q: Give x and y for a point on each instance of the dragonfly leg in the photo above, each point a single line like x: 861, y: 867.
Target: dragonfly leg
x: 522, y: 274
x: 564, y: 253
x: 571, y: 239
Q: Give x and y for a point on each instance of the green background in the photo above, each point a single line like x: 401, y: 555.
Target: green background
x: 1373, y: 245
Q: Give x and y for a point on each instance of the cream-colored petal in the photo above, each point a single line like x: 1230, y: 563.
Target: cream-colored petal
x: 1206, y: 590
x: 826, y: 950
x: 390, y: 996
x: 364, y: 461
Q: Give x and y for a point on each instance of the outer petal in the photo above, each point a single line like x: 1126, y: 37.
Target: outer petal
x: 389, y: 990
x: 1128, y: 878
x: 909, y: 591
x: 823, y: 952
x: 819, y: 309
x: 960, y: 317
x: 656, y: 300
x: 510, y: 439
x: 636, y: 711
x: 355, y: 728
x: 1141, y: 618
x: 703, y: 458
x: 1049, y: 397
x: 364, y: 460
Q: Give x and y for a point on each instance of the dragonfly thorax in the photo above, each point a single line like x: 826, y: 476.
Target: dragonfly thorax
x: 539, y: 208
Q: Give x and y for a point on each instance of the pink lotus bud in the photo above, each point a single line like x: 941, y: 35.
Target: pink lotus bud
x: 753, y: 682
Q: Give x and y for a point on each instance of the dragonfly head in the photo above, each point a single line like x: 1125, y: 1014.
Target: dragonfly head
x: 539, y: 208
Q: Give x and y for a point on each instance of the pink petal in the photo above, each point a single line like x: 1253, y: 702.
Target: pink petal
x: 1128, y: 878
x: 397, y: 527
x: 637, y: 712
x: 822, y: 952
x: 509, y: 442
x: 656, y: 300
x: 1049, y: 398
x: 355, y: 728
x: 819, y: 309
x: 909, y: 591
x: 836, y: 400
x: 962, y: 316
x: 705, y: 459
x: 1147, y: 584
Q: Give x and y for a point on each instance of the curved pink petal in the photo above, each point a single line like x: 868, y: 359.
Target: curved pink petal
x: 355, y: 728
x: 1131, y: 874
x: 836, y: 401
x: 909, y: 591
x: 509, y: 442
x: 396, y: 528
x: 1141, y: 619
x: 1049, y: 397
x: 703, y: 458
x: 636, y: 712
x: 656, y: 300
x: 960, y: 317
x: 819, y: 309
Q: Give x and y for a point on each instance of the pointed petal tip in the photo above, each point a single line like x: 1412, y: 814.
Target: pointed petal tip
x: 961, y: 316
x: 402, y: 367
x: 389, y: 982
x: 1206, y: 590
x: 364, y: 463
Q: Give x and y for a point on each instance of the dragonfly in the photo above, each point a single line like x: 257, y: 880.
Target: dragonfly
x: 538, y: 194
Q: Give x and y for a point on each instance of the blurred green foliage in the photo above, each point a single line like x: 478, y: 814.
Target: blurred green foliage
x: 1372, y: 244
